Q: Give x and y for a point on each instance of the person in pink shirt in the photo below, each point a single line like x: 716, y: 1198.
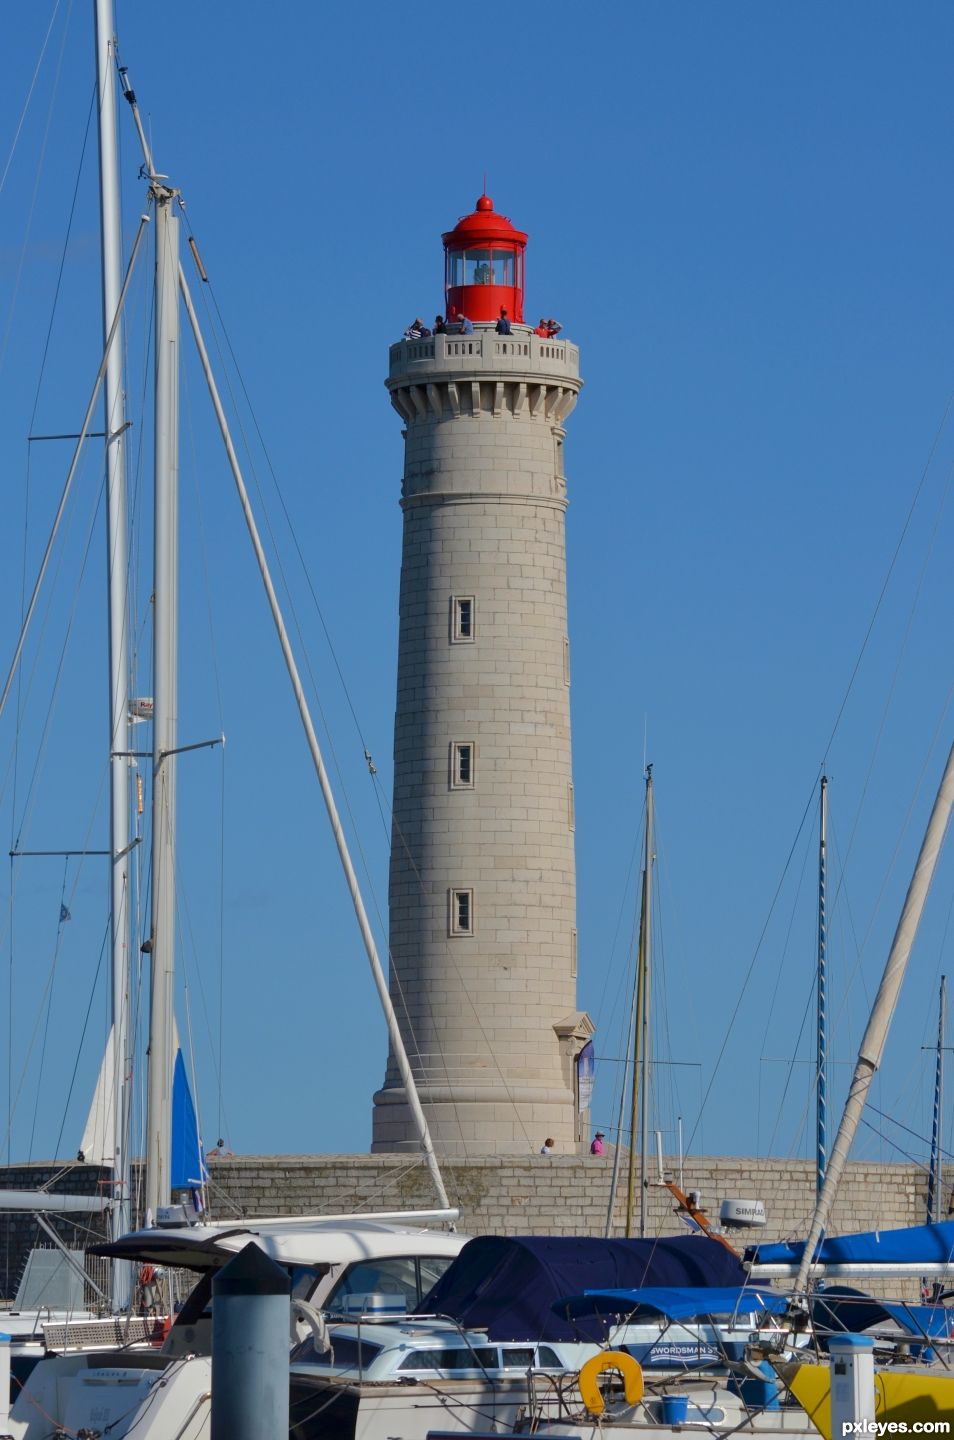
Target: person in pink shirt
x: 597, y: 1148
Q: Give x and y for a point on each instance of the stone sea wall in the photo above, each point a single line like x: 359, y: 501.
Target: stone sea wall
x: 555, y: 1195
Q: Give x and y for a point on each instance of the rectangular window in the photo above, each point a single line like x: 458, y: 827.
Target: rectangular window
x: 573, y: 953
x: 566, y: 659
x: 462, y: 912
x: 570, y: 806
x: 462, y: 617
x: 462, y: 764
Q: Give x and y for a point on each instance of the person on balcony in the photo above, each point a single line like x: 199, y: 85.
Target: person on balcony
x: 503, y: 323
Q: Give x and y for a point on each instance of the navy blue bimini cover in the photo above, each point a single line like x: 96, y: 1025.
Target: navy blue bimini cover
x: 915, y: 1244
x: 508, y: 1284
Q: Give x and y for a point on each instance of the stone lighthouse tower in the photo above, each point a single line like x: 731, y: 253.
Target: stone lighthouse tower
x: 482, y: 887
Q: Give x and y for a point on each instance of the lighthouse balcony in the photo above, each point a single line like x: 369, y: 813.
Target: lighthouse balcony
x: 522, y: 352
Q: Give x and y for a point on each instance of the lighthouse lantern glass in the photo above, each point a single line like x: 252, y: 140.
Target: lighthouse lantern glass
x: 481, y: 267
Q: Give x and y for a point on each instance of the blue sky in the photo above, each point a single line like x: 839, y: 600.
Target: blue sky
x: 741, y: 214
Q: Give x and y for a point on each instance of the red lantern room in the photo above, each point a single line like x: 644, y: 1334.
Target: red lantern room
x: 483, y: 265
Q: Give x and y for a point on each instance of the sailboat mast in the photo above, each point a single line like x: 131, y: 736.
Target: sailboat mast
x: 116, y: 561
x: 821, y: 1066
x: 934, y: 1174
x: 873, y: 1043
x: 639, y: 1111
x: 165, y: 705
x: 647, y: 977
x: 364, y: 925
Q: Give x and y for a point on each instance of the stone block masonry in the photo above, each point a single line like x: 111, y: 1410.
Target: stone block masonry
x: 560, y: 1194
x: 482, y: 896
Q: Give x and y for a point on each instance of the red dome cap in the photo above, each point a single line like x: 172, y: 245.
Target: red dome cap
x: 484, y: 224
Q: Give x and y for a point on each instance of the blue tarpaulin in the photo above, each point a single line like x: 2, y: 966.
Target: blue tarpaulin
x: 916, y: 1245
x: 509, y: 1284
x: 674, y: 1303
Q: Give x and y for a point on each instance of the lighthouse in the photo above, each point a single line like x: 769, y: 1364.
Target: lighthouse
x: 482, y: 893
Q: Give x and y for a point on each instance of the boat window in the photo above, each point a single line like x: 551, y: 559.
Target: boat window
x: 548, y: 1359
x: 396, y: 1276
x: 431, y: 1269
x: 516, y: 1357
x: 457, y: 1359
x: 412, y: 1276
x: 346, y: 1353
x: 304, y: 1279
x: 198, y: 1303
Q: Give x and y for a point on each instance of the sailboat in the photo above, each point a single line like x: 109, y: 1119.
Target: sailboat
x: 320, y: 1250
x: 902, y: 1397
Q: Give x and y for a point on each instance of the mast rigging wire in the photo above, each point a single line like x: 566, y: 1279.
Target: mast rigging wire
x: 11, y: 311
x: 14, y: 664
x: 395, y: 975
x: 63, y: 918
x: 216, y: 1038
x: 79, y: 1047
x: 29, y: 96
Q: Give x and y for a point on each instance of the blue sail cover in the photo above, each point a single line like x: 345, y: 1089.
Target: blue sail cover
x: 690, y: 1302
x: 509, y: 1285
x: 187, y: 1165
x: 839, y: 1308
x: 914, y: 1245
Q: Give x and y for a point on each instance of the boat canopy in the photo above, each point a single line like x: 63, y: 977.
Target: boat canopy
x: 509, y: 1285
x: 840, y: 1309
x: 689, y: 1302
x: 914, y: 1245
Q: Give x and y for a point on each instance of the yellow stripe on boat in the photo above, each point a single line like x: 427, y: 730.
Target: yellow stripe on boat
x: 900, y: 1395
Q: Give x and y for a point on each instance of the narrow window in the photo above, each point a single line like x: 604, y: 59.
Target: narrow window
x: 570, y: 806
x: 462, y: 765
x: 566, y: 659
x: 462, y: 912
x: 462, y: 616
x: 573, y: 953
